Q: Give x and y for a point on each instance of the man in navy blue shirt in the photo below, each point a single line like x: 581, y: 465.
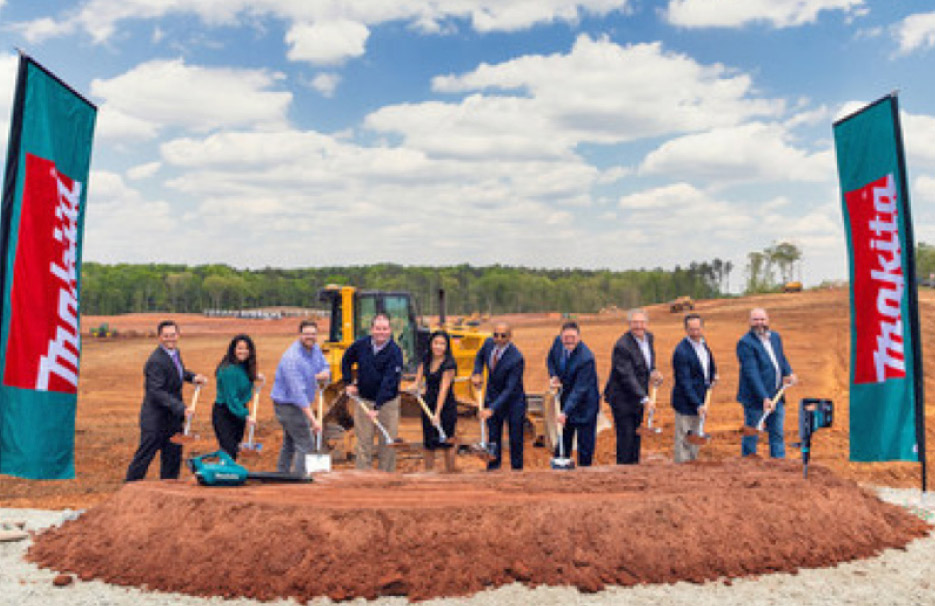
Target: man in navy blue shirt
x: 379, y: 362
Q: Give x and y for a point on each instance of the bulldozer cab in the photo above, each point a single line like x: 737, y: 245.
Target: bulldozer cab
x: 352, y: 312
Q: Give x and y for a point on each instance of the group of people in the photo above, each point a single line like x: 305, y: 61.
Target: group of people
x: 374, y: 393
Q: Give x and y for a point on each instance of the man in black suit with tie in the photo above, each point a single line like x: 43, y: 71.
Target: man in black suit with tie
x: 163, y: 411
x: 505, y: 399
x: 633, y: 365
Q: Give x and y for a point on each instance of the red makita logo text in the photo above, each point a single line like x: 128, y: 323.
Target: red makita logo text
x: 879, y: 285
x: 44, y: 344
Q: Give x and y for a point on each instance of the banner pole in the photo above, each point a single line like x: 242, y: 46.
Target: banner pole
x: 912, y: 292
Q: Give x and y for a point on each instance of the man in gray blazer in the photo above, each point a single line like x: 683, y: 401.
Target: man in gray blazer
x: 633, y: 366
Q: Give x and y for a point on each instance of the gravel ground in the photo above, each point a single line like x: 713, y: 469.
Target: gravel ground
x: 897, y: 577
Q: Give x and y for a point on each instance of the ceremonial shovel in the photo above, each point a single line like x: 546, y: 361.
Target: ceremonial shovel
x: 321, y: 461
x: 561, y: 462
x: 386, y: 435
x: 250, y: 448
x: 701, y: 438
x: 482, y: 449
x: 761, y: 425
x: 442, y: 437
x: 649, y: 430
x: 187, y: 437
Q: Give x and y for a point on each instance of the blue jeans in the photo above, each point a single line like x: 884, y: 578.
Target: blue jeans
x: 774, y: 425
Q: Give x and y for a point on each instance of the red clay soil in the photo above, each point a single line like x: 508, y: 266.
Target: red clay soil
x: 366, y: 534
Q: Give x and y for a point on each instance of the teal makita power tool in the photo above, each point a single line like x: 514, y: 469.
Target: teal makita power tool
x: 219, y: 469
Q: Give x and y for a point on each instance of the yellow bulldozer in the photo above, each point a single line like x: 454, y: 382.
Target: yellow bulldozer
x: 351, y: 311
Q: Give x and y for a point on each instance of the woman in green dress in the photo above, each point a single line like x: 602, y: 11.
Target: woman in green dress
x: 236, y: 375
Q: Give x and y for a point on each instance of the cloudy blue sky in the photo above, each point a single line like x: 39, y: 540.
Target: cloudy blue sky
x: 546, y: 133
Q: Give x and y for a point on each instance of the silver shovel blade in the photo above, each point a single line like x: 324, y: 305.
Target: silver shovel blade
x: 317, y: 463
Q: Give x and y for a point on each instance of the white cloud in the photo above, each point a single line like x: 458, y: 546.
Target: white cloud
x: 326, y: 83
x: 737, y: 13
x: 163, y: 93
x: 100, y: 18
x: 614, y: 174
x: 599, y: 92
x: 143, y: 171
x: 752, y: 152
x: 8, y: 67
x: 327, y: 42
x: 919, y: 138
x: 915, y: 32
x: 44, y: 28
x: 122, y: 226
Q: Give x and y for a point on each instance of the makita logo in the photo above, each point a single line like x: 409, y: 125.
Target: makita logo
x: 879, y: 283
x: 44, y: 344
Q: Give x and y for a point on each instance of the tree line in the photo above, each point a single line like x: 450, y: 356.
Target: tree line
x: 124, y: 288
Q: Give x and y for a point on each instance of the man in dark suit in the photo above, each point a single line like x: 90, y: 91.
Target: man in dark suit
x: 695, y: 372
x: 763, y: 369
x: 633, y: 365
x: 505, y: 399
x: 163, y: 411
x: 571, y: 367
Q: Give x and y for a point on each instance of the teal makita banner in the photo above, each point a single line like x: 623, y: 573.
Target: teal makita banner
x: 41, y: 232
x: 886, y: 376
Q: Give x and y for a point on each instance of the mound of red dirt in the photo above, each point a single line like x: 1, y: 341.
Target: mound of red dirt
x: 354, y: 534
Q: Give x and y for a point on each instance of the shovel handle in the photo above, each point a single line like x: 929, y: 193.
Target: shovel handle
x: 188, y: 419
x: 760, y: 426
x: 321, y: 418
x: 480, y: 406
x: 428, y: 413
x: 376, y: 422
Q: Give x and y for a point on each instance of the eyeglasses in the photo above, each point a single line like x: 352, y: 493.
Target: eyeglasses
x: 500, y: 335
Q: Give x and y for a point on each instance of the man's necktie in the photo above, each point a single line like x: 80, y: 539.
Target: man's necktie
x: 178, y: 365
x: 496, y: 357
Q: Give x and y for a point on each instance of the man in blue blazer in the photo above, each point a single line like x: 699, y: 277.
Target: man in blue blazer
x: 505, y: 399
x: 163, y: 411
x: 571, y: 367
x: 695, y: 372
x: 763, y: 369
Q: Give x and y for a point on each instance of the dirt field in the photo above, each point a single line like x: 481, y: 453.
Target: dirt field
x: 813, y: 326
x: 422, y: 536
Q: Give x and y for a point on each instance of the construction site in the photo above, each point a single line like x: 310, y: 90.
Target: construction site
x: 350, y: 534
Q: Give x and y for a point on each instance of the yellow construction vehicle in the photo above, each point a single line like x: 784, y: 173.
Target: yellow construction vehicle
x: 681, y: 304
x: 792, y: 287
x: 352, y: 311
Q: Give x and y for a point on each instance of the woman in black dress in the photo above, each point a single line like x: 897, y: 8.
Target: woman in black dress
x: 438, y: 368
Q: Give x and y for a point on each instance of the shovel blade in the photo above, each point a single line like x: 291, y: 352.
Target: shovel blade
x: 317, y: 463
x: 697, y: 440
x: 250, y: 451
x: 182, y: 439
x: 562, y: 464
x: 750, y: 431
